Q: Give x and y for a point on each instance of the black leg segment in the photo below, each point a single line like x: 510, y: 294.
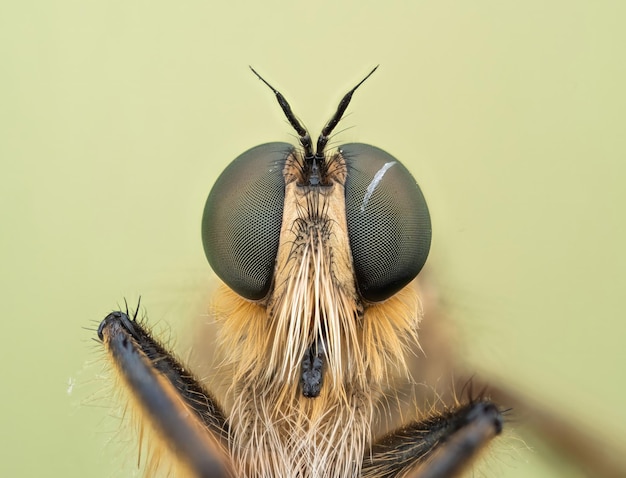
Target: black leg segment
x: 440, y: 446
x: 178, y: 407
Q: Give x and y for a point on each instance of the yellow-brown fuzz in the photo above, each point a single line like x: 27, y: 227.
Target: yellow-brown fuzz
x: 275, y: 430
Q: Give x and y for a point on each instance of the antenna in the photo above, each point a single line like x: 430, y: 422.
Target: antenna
x: 305, y: 138
x: 314, y: 168
x: 330, y: 126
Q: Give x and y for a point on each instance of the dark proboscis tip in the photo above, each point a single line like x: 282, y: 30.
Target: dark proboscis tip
x: 312, y: 372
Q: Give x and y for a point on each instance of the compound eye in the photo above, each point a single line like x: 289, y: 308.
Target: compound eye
x: 242, y: 219
x: 388, y: 221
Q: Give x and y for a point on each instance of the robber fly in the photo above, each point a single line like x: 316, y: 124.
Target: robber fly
x: 318, y: 252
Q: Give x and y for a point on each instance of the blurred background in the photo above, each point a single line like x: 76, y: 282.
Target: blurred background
x: 116, y: 118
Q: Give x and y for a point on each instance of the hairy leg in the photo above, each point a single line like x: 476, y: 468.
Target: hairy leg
x: 186, y: 416
x: 440, y: 446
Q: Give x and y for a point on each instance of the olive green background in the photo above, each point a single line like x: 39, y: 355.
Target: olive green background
x: 117, y: 116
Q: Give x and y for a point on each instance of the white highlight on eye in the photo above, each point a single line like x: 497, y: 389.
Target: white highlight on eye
x: 372, y: 186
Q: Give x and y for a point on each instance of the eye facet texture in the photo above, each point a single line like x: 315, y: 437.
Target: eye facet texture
x: 388, y: 221
x: 242, y: 219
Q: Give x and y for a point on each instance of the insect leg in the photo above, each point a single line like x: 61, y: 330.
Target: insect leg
x: 185, y: 415
x: 441, y: 446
